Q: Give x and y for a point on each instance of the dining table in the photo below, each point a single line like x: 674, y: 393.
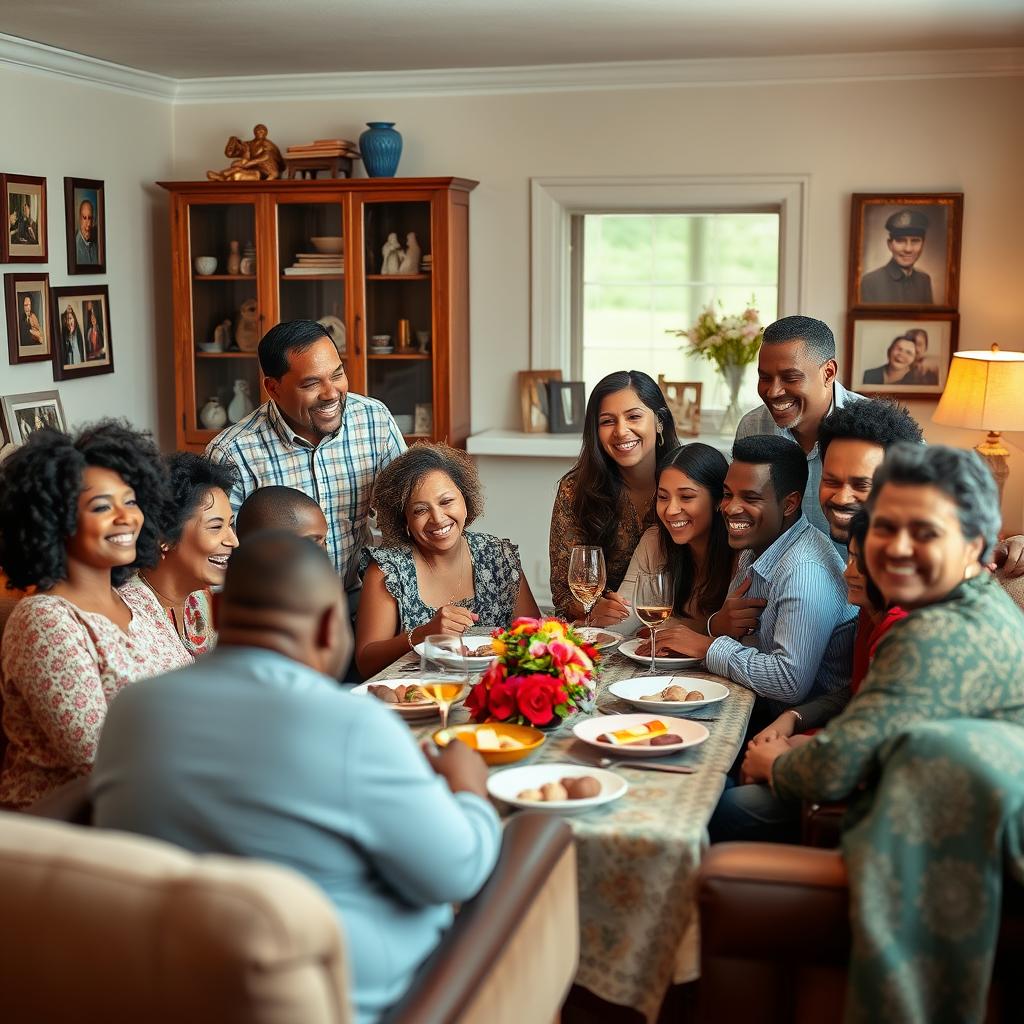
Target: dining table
x: 638, y: 856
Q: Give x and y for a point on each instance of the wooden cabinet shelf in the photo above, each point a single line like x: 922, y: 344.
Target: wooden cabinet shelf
x: 279, y: 219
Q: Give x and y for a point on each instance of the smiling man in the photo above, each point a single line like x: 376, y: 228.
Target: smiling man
x: 898, y: 282
x: 313, y: 435
x: 803, y: 644
x: 796, y: 379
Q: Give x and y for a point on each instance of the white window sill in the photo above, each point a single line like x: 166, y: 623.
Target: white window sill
x: 518, y: 444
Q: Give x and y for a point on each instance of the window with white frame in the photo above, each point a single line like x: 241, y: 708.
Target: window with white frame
x: 617, y: 262
x: 638, y: 276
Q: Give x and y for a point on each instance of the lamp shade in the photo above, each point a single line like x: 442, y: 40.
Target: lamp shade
x: 984, y: 391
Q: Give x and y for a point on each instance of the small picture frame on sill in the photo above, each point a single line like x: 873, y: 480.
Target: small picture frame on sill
x: 566, y: 406
x: 683, y: 400
x: 533, y: 399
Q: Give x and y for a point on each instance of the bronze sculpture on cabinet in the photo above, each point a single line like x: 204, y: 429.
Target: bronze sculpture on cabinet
x: 255, y: 160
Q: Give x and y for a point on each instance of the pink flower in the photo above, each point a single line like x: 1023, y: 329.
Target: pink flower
x: 538, y: 648
x: 561, y: 652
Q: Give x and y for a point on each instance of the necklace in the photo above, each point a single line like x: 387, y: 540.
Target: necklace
x: 462, y: 571
x: 168, y: 605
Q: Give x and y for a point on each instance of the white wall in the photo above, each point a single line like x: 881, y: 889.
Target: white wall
x: 57, y: 128
x: 863, y: 136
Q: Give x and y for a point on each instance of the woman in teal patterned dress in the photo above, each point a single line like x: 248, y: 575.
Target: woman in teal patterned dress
x: 959, y: 654
x: 432, y: 575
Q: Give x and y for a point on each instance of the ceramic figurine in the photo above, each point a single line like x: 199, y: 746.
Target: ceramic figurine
x: 234, y: 260
x: 411, y: 259
x: 241, y: 405
x: 212, y: 415
x: 221, y: 337
x: 247, y: 330
x: 392, y: 255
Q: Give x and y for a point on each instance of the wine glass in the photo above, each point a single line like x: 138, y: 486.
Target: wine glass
x: 587, y: 576
x: 444, y: 671
x: 653, y: 603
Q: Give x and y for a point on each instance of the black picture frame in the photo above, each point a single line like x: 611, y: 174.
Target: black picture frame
x: 567, y: 404
x: 81, y: 258
x: 23, y: 238
x: 22, y: 325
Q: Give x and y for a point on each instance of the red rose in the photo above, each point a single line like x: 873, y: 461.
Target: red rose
x: 502, y: 700
x: 537, y: 697
x: 476, y: 702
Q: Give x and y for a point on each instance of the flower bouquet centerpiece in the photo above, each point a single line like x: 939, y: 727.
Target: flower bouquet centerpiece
x: 731, y: 343
x: 543, y: 674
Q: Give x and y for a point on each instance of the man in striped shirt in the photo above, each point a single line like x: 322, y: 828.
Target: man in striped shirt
x: 313, y: 435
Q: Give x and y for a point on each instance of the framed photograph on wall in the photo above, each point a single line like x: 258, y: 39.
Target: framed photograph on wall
x: 85, y: 225
x: 82, y: 345
x: 27, y: 302
x: 533, y: 399
x: 25, y: 414
x: 905, y: 250
x: 902, y: 356
x: 23, y: 198
x: 683, y: 400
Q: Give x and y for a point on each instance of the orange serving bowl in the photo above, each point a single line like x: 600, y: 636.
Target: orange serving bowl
x: 530, y: 737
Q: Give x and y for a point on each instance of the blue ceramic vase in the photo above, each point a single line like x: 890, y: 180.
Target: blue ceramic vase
x: 381, y: 148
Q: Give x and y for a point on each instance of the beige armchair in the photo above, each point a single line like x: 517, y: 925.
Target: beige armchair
x: 102, y: 926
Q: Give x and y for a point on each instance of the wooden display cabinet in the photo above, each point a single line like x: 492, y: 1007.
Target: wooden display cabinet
x: 426, y: 391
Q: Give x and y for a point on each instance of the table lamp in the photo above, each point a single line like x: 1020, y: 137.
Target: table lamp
x: 985, y: 391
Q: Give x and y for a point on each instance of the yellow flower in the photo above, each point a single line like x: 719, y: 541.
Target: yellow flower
x: 499, y: 647
x: 554, y: 627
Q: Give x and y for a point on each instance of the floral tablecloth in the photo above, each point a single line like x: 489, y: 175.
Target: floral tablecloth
x: 638, y: 857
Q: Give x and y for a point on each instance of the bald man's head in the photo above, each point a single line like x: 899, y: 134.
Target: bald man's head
x: 282, y: 592
x: 282, y: 508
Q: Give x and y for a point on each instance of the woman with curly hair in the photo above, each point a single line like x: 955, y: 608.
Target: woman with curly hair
x: 607, y: 498
x: 197, y: 536
x: 432, y: 575
x: 73, y: 525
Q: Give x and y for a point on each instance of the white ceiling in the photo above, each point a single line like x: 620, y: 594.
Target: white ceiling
x: 187, y: 39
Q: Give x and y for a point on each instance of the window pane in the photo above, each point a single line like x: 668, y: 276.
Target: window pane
x: 645, y: 275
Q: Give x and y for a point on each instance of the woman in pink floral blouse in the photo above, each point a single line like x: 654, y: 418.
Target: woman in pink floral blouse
x: 72, y: 525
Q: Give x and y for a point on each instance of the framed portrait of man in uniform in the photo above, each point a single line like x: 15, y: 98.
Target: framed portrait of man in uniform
x: 905, y: 251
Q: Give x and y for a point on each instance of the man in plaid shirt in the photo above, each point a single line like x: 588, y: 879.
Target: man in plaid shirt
x: 314, y: 436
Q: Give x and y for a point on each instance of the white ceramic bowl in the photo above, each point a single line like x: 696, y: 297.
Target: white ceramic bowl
x: 329, y: 243
x: 205, y: 265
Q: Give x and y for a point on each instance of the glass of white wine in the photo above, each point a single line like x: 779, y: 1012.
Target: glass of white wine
x: 653, y: 603
x: 444, y: 673
x: 587, y: 576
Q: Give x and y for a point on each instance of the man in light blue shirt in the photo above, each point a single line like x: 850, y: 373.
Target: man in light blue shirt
x: 255, y: 752
x: 797, y: 379
x: 803, y: 644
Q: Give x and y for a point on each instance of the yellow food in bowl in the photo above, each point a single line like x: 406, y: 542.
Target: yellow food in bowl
x: 496, y: 742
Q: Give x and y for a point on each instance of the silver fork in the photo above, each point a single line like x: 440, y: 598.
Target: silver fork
x: 650, y: 766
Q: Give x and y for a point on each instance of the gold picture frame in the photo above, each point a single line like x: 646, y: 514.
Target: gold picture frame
x: 533, y: 399
x: 683, y: 400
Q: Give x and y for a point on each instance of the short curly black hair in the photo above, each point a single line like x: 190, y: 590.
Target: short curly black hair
x: 396, y: 482
x: 191, y: 478
x: 39, y: 488
x: 875, y: 420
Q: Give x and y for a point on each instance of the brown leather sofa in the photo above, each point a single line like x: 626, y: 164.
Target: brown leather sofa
x: 775, y: 937
x: 102, y: 926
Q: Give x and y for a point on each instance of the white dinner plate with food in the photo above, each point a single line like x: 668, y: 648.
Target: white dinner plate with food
x: 479, y: 652
x: 416, y: 708
x: 670, y: 695
x: 680, y: 661
x: 660, y: 736
x: 523, y: 787
x: 598, y: 638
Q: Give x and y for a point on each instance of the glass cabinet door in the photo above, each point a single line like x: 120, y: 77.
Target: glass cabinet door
x: 399, y: 310
x: 226, y: 317
x: 311, y: 269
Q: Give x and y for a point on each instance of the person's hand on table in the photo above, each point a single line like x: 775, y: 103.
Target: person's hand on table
x: 757, y: 765
x: 461, y: 767
x: 451, y: 619
x: 609, y: 610
x: 1009, y: 556
x: 676, y: 640
x: 739, y: 616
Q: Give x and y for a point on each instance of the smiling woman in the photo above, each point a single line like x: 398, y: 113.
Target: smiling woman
x: 73, y: 524
x: 432, y: 575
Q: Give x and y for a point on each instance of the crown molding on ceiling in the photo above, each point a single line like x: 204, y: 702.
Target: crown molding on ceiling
x: 32, y: 56
x: 843, y: 67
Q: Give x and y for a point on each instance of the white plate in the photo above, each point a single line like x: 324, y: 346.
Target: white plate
x: 335, y: 328
x: 629, y: 650
x: 412, y: 712
x: 381, y: 350
x: 632, y: 690
x: 506, y: 785
x: 692, y: 733
x: 589, y: 633
x: 472, y: 663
